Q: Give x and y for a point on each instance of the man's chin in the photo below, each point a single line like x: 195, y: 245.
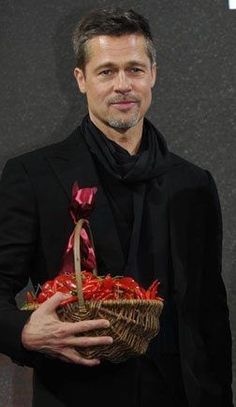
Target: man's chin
x: 123, y: 124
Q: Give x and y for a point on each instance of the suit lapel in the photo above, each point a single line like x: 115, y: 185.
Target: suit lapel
x: 168, y: 215
x: 71, y: 161
x: 184, y: 251
x: 178, y: 245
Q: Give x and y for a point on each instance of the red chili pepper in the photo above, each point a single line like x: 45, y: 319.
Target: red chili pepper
x: 128, y: 285
x: 105, y: 295
x: 87, y: 275
x: 89, y: 292
x: 151, y: 292
x: 128, y: 282
x: 64, y: 281
x: 97, y: 288
x: 73, y: 298
x: 43, y: 296
x: 47, y: 286
x: 108, y: 282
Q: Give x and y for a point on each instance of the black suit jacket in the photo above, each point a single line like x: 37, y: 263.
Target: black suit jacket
x: 35, y: 224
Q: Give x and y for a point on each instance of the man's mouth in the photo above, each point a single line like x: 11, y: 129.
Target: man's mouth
x: 124, y: 104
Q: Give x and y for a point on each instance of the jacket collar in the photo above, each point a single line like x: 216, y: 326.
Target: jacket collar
x: 71, y: 161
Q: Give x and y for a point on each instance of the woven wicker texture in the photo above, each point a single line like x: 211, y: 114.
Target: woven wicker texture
x: 133, y: 323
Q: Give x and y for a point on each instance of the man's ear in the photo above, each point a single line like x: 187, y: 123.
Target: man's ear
x: 80, y: 79
x: 154, y: 74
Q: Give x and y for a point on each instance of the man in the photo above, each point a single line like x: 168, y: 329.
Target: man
x: 156, y: 216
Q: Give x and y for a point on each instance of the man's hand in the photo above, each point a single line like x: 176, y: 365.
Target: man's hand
x: 44, y: 332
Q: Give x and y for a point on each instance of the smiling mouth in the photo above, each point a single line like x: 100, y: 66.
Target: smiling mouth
x: 126, y: 104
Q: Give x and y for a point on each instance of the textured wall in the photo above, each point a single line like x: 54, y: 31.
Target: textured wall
x: 194, y: 102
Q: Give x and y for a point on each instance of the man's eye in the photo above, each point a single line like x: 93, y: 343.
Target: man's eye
x: 106, y: 72
x: 135, y: 69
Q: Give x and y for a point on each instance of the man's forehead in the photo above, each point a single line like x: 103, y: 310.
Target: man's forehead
x: 123, y: 42
x: 118, y: 40
x: 116, y: 46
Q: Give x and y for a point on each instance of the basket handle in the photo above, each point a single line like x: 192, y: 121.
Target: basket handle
x: 77, y: 257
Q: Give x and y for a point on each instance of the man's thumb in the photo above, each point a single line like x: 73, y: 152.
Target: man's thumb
x: 53, y: 302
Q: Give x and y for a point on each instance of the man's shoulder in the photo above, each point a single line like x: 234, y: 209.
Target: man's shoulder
x: 53, y: 149
x: 185, y: 164
x: 186, y: 171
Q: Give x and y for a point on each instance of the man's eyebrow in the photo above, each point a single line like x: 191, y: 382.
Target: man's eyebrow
x: 105, y: 65
x: 136, y: 62
x: 112, y: 65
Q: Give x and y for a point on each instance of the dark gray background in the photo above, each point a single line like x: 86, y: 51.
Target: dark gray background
x: 194, y: 102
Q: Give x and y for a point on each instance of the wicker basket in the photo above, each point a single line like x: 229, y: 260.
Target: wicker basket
x: 133, y: 323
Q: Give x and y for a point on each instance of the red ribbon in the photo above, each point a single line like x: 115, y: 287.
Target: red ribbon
x: 82, y: 204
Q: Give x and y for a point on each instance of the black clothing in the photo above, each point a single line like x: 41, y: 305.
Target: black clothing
x: 131, y: 188
x: 135, y: 383
x: 35, y: 193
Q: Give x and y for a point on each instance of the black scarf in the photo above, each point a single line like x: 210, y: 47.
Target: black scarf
x: 138, y: 194
x: 150, y: 161
x: 127, y: 180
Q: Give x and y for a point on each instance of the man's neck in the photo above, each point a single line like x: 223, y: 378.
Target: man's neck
x: 129, y: 139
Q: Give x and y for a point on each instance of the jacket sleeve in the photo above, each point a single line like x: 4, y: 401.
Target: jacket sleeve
x: 18, y: 237
x: 215, y: 313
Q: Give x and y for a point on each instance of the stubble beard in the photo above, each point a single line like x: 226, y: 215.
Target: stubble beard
x: 126, y: 123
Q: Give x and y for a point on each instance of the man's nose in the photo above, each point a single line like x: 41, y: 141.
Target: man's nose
x: 122, y: 83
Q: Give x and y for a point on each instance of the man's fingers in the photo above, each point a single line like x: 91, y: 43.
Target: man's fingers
x: 72, y: 356
x: 84, y: 341
x: 52, y: 303
x: 75, y: 328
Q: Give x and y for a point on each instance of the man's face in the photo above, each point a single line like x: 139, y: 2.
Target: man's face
x: 117, y: 80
